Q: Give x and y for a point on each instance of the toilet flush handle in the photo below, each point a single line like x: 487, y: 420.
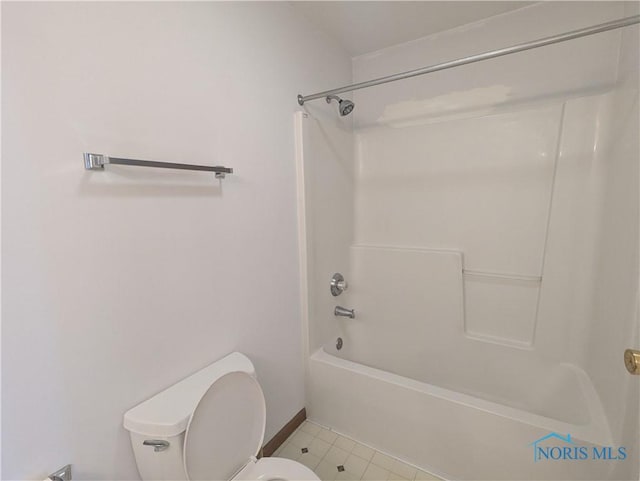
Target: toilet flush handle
x: 158, y: 444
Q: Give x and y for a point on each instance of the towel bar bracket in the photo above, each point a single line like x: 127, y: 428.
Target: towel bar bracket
x: 94, y: 161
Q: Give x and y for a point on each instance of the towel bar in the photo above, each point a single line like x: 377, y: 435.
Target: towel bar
x: 98, y: 161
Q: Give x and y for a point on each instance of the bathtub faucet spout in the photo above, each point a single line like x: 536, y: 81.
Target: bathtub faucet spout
x: 344, y: 312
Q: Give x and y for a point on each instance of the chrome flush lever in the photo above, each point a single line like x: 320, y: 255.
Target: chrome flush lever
x: 158, y: 444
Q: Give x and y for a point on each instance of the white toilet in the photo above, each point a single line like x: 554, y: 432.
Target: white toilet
x: 209, y: 426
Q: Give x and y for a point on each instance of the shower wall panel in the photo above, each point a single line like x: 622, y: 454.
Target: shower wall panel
x: 325, y: 170
x: 481, y: 186
x: 577, y: 305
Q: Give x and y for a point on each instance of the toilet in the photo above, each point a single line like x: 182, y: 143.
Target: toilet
x: 209, y: 426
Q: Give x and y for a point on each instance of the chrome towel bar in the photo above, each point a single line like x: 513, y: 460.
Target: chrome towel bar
x: 98, y: 161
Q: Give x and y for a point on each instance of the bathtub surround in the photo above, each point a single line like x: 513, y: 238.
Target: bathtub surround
x: 118, y: 284
x: 479, y: 212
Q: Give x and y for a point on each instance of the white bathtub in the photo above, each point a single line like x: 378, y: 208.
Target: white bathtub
x: 446, y: 432
x: 464, y: 350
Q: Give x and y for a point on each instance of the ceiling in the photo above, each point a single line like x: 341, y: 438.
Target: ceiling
x: 366, y: 26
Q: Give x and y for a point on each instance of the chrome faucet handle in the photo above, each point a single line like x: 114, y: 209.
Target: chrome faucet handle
x: 340, y: 311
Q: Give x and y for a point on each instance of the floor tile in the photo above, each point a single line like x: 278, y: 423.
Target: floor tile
x: 347, y: 476
x: 326, y: 471
x: 375, y: 473
x: 383, y: 460
x: 365, y: 452
x: 311, y: 461
x: 326, y: 435
x: 290, y: 451
x: 326, y: 451
x: 309, y: 427
x: 336, y: 456
x: 396, y: 477
x: 356, y: 465
x: 344, y: 443
x: 318, y: 447
x: 301, y: 439
x: 403, y: 469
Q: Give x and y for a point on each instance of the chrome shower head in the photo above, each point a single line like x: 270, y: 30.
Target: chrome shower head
x: 345, y: 107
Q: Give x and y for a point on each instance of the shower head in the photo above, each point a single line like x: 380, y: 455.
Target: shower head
x: 345, y: 107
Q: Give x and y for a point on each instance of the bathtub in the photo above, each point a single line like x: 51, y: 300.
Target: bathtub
x: 449, y: 433
x: 456, y: 362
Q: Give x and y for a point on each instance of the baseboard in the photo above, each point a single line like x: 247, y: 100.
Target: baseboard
x: 282, y: 435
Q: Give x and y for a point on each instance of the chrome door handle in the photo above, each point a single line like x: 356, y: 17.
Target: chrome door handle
x: 158, y: 444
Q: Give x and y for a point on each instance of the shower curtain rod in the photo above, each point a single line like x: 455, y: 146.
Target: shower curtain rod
x: 563, y: 37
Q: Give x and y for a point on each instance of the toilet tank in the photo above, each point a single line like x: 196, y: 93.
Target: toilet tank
x: 165, y: 417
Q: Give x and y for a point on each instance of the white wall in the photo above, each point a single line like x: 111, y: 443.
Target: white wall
x: 119, y: 283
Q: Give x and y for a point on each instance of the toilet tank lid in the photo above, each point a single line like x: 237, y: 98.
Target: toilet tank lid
x: 168, y: 412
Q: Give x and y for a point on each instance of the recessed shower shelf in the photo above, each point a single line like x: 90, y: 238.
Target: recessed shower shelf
x: 98, y: 161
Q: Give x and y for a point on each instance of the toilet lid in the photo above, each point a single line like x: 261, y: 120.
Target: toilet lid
x: 225, y: 429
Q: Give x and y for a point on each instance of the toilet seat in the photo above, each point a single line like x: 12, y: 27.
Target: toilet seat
x: 225, y: 434
x: 272, y: 469
x: 226, y: 428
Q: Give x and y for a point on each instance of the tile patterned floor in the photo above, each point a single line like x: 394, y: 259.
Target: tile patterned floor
x: 336, y: 458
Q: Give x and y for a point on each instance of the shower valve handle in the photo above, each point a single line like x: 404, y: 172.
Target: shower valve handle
x: 338, y: 285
